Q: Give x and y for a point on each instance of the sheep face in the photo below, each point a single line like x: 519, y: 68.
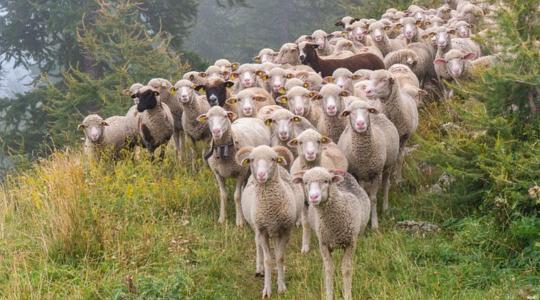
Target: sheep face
x: 377, y: 31
x: 320, y: 38
x: 357, y: 33
x: 359, y: 113
x: 309, y: 144
x: 246, y: 103
x: 463, y: 29
x: 380, y: 85
x: 246, y: 78
x: 196, y: 77
x: 360, y: 88
x: 184, y: 91
x: 263, y: 162
x: 443, y: 37
x: 132, y: 92
x: 93, y: 127
x: 317, y: 182
x: 408, y: 27
x: 218, y: 120
x: 307, y: 52
x: 298, y: 100
x: 277, y: 78
x: 288, y: 54
x: 266, y: 55
x: 148, y: 99
x: 331, y: 97
x: 455, y: 61
x: 215, y: 90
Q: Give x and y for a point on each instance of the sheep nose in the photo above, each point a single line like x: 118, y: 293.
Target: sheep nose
x: 360, y: 124
x: 331, y: 107
x: 216, y: 131
x: 313, y: 197
x: 302, y: 57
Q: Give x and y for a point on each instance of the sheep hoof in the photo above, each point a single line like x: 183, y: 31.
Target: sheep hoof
x: 305, y: 249
x: 282, y: 288
x: 221, y: 220
x: 239, y: 224
x: 266, y: 293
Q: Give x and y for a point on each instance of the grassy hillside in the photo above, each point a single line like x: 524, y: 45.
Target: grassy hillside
x: 137, y: 230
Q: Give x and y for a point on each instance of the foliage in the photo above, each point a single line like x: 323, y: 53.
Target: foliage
x: 374, y: 9
x: 45, y: 32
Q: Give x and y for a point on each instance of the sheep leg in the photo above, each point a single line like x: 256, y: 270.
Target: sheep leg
x: 386, y: 187
x: 347, y: 272
x: 280, y: 245
x: 259, y: 266
x: 222, y: 196
x: 179, y: 142
x: 328, y: 272
x: 372, y: 192
x: 305, y: 230
x: 267, y: 256
x: 237, y: 204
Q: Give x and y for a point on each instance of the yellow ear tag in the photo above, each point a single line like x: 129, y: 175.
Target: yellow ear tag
x: 306, y: 85
x: 282, y: 91
x: 245, y: 162
x: 296, y: 119
x: 173, y: 91
x: 268, y: 122
x: 232, y: 77
x: 283, y: 100
x: 202, y: 91
x: 279, y: 160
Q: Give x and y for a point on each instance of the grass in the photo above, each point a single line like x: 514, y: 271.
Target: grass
x: 80, y: 230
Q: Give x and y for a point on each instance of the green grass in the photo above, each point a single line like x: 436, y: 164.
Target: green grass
x: 70, y: 229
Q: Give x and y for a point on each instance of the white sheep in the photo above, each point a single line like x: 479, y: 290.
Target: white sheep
x: 227, y: 138
x: 371, y: 145
x: 380, y: 39
x: 250, y: 100
x: 112, y: 134
x: 331, y: 99
x: 271, y: 204
x: 298, y: 99
x: 338, y: 212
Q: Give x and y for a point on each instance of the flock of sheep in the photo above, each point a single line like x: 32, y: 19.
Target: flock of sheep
x: 310, y: 133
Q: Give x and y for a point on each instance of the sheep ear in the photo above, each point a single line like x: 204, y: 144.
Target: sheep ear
x: 126, y: 92
x: 289, y: 75
x: 325, y: 140
x: 311, y: 94
x: 427, y: 23
x: 469, y: 56
x: 386, y: 28
x: 257, y: 59
x: 233, y: 76
x: 104, y: 123
x: 391, y: 80
x: 339, y: 23
x: 328, y: 79
x: 439, y: 61
x: 203, y: 74
x: 231, y: 115
x: 419, y: 22
x: 344, y: 33
x: 451, y: 31
x: 81, y: 127
x: 282, y: 91
x: 348, y: 29
x: 229, y: 84
x: 296, y: 119
x: 292, y: 143
x: 432, y: 34
x: 268, y: 122
x: 337, y: 178
x: 234, y: 66
x: 355, y: 77
x: 172, y: 91
x: 344, y: 94
x: 259, y: 98
x: 261, y: 74
x: 231, y: 101
x: 305, y: 85
x: 298, y: 178
x: 329, y: 36
x: 398, y: 26
x: 156, y: 93
x: 242, y: 156
x: 191, y: 77
x: 285, y: 154
x: 283, y: 100
x: 200, y: 89
x: 317, y: 97
x: 345, y: 113
x: 202, y: 118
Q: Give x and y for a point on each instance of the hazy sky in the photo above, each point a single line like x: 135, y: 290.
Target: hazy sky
x: 16, y: 80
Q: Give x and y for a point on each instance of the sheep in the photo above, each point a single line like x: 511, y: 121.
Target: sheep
x: 249, y: 101
x: 193, y: 105
x: 346, y: 21
x: 227, y: 138
x: 444, y: 12
x: 265, y: 55
x: 156, y: 123
x: 409, y: 28
x: 198, y: 78
x: 101, y: 135
x: 343, y: 78
x: 267, y: 111
x: 338, y: 213
x: 226, y: 67
x: 216, y: 72
x: 132, y: 114
x: 163, y: 86
x: 434, y: 22
x: 470, y: 13
x: 331, y: 98
x: 288, y: 54
x: 298, y: 101
x: 285, y: 126
x: 326, y: 67
x: 316, y: 150
x: 216, y: 90
x: 320, y: 38
x: 357, y: 33
x: 343, y: 48
x: 381, y: 40
x: 271, y: 204
x: 445, y: 42
x: 247, y: 77
x: 408, y: 82
x: 418, y: 57
x: 312, y: 80
x: 276, y: 79
x: 290, y: 83
x: 371, y: 145
x: 461, y: 65
x: 463, y: 29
